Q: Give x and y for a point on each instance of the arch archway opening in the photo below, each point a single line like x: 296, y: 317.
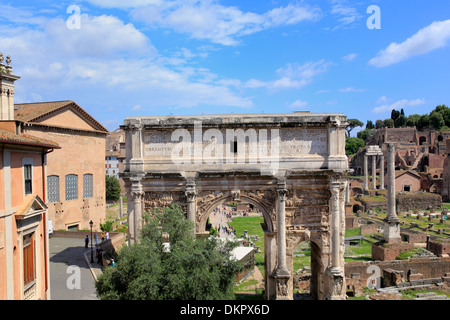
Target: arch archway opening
x: 242, y: 222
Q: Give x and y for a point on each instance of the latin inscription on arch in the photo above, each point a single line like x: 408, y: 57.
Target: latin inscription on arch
x: 292, y: 142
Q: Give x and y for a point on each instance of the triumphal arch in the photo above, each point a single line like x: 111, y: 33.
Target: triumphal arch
x: 292, y: 167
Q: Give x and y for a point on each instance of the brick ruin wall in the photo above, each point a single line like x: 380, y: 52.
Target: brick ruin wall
x: 428, y: 267
x: 418, y: 201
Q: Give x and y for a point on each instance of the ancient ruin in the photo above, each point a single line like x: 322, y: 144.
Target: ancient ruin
x: 292, y: 167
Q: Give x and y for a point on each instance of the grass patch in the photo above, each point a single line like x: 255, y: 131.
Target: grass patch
x: 253, y: 227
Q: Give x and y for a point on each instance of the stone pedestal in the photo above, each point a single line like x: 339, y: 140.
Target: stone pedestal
x: 283, y: 291
x: 337, y: 284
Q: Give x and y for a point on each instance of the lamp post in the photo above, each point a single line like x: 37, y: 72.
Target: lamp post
x: 92, y: 253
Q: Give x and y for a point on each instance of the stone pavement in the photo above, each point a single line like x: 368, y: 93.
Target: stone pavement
x: 71, y: 275
x: 219, y: 217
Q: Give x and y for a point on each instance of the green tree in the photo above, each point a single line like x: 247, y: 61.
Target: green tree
x: 395, y: 114
x: 389, y: 123
x: 424, y: 122
x: 364, y: 134
x: 193, y: 269
x: 412, y: 120
x: 352, y: 145
x: 352, y: 124
x: 437, y: 120
x: 112, y: 187
x: 379, y: 124
x: 400, y: 121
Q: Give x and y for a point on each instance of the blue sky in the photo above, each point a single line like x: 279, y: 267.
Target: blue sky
x: 122, y: 58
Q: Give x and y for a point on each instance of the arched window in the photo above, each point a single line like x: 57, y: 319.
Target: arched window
x: 88, y: 185
x: 71, y: 187
x: 53, y: 188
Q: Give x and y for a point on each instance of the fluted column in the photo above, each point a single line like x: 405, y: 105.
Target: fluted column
x: 135, y: 221
x: 335, y: 273
x: 282, y: 274
x: 190, y: 199
x: 335, y: 186
x: 366, y: 173
x: 381, y: 171
x: 374, y: 172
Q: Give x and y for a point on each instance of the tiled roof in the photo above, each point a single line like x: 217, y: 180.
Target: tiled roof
x: 9, y: 137
x: 31, y: 112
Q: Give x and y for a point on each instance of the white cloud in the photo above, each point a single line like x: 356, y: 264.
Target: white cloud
x: 106, y: 56
x: 401, y: 104
x: 350, y: 57
x: 19, y: 15
x: 208, y: 20
x: 347, y: 14
x: 298, y: 104
x: 351, y: 89
x: 305, y: 71
x: 123, y: 4
x: 432, y: 37
x: 98, y: 36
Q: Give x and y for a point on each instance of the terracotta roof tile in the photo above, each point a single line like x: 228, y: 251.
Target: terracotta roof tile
x: 30, y: 112
x: 9, y: 137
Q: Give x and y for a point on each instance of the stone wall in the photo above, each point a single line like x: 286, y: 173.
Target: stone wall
x: 439, y: 247
x: 418, y: 201
x: 369, y: 228
x: 414, y: 237
x: 389, y: 251
x: 428, y: 267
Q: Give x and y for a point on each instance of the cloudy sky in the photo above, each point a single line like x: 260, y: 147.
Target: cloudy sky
x: 119, y: 58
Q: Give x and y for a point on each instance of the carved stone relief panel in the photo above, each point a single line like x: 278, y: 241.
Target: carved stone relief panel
x: 154, y: 200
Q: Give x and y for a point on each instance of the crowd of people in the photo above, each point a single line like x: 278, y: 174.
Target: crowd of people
x: 224, y: 214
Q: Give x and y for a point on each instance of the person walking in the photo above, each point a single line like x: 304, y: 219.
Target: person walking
x: 86, y: 241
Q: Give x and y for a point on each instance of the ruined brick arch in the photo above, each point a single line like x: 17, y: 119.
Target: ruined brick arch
x: 203, y: 212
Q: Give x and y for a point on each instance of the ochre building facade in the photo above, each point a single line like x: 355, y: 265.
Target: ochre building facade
x: 76, y: 172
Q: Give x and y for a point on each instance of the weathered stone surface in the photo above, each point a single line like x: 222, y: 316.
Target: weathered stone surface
x: 282, y: 164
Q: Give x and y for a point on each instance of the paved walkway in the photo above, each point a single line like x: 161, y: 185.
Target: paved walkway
x: 220, y: 217
x: 71, y: 277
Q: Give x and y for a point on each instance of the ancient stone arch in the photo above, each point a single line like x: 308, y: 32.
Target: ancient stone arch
x: 291, y: 166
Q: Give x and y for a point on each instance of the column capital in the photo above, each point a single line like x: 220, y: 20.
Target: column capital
x: 137, y: 195
x: 190, y: 195
x: 282, y: 192
x: 391, y: 145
